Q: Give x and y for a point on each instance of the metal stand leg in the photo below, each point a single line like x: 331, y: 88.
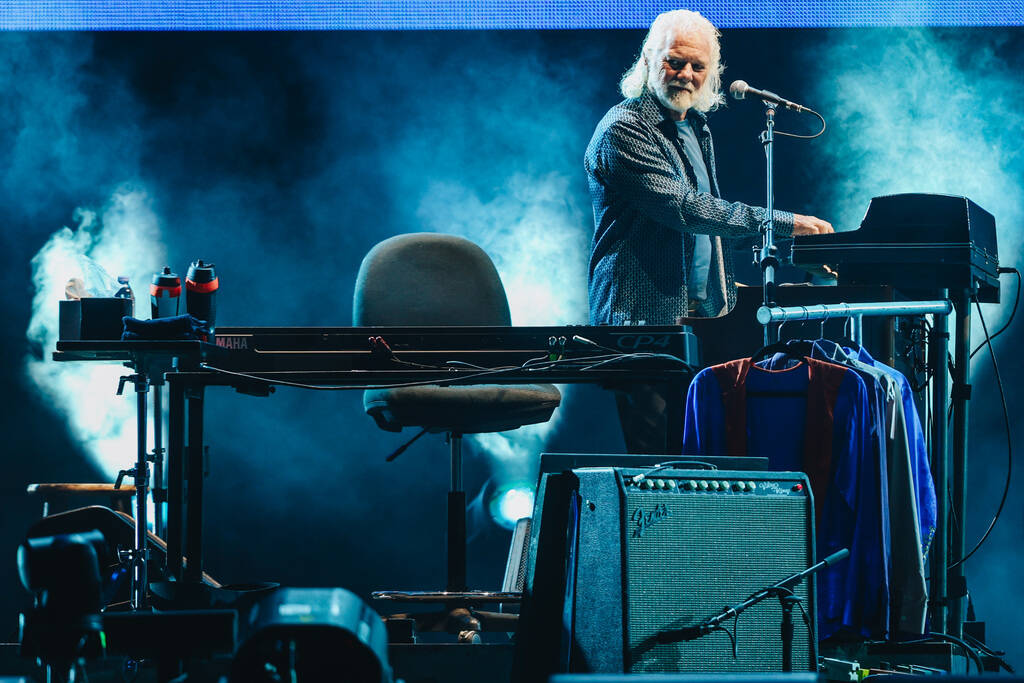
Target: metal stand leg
x: 139, y: 579
x: 857, y: 329
x: 767, y: 259
x: 175, y: 478
x: 938, y: 345
x: 456, y: 520
x: 140, y: 473
x: 961, y: 397
x: 194, y: 484
x: 787, y: 601
x: 159, y: 481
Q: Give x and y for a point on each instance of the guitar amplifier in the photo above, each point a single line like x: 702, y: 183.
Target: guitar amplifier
x: 616, y: 559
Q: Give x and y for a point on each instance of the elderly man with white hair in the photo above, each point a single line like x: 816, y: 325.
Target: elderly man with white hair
x: 658, y: 254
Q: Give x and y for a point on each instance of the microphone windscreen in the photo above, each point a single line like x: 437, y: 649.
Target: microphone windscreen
x: 738, y: 89
x: 838, y: 555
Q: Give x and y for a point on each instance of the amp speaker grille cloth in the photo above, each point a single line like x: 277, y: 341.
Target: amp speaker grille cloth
x: 704, y: 553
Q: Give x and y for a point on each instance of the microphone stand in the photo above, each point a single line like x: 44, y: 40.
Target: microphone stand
x: 783, y: 590
x: 767, y: 258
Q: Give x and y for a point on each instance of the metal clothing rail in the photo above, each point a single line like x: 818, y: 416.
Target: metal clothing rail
x: 767, y: 315
x: 946, y: 584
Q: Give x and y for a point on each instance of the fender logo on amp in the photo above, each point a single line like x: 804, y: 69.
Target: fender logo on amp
x: 642, y: 521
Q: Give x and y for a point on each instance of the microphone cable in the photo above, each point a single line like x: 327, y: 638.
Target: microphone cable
x: 806, y: 137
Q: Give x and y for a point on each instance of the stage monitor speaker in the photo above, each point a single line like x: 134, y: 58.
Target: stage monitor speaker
x: 616, y: 559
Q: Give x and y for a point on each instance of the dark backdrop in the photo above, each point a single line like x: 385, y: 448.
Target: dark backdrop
x: 284, y: 157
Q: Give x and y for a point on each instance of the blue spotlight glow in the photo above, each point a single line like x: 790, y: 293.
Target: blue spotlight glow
x: 510, y: 503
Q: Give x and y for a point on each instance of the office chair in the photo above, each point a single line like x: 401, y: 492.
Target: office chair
x: 435, y: 280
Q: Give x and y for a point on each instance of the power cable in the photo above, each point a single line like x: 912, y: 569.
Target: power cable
x: 971, y: 653
x: 968, y: 650
x: 1016, y: 301
x: 1009, y: 441
x: 997, y: 655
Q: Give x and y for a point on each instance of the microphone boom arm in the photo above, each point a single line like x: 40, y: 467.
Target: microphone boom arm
x: 780, y: 588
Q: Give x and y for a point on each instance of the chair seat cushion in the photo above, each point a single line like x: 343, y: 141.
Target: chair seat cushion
x: 462, y: 409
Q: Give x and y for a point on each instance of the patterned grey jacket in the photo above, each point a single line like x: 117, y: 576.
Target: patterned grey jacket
x: 646, y: 207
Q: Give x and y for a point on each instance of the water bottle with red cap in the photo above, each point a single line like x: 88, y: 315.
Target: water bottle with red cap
x: 165, y: 294
x: 201, y: 294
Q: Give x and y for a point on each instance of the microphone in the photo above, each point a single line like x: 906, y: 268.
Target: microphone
x: 740, y: 89
x: 838, y: 555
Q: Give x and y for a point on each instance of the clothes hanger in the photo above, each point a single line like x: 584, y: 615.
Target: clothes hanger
x: 771, y: 349
x: 794, y: 348
x: 845, y: 339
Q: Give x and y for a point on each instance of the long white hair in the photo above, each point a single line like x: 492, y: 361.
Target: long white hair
x: 634, y: 81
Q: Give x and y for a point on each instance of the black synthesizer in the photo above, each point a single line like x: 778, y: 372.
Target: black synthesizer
x: 303, y: 348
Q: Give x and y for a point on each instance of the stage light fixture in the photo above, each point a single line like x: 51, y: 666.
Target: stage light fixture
x: 64, y: 625
x: 313, y: 635
x: 511, y: 502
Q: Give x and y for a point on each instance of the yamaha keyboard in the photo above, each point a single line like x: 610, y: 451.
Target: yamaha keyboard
x: 912, y: 241
x: 374, y: 348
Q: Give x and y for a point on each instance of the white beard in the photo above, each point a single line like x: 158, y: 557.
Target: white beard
x: 673, y: 98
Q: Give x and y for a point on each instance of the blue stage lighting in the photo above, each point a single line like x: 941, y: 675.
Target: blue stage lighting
x: 510, y: 503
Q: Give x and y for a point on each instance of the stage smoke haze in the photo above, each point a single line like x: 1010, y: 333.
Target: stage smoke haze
x: 70, y: 143
x: 534, y: 233
x: 121, y: 239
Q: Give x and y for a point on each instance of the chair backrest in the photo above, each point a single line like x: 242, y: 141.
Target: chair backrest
x: 428, y: 279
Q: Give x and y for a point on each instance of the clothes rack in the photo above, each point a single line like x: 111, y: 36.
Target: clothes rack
x: 946, y: 609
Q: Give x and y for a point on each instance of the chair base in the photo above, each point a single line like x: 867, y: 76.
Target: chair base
x: 459, y: 617
x: 465, y: 622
